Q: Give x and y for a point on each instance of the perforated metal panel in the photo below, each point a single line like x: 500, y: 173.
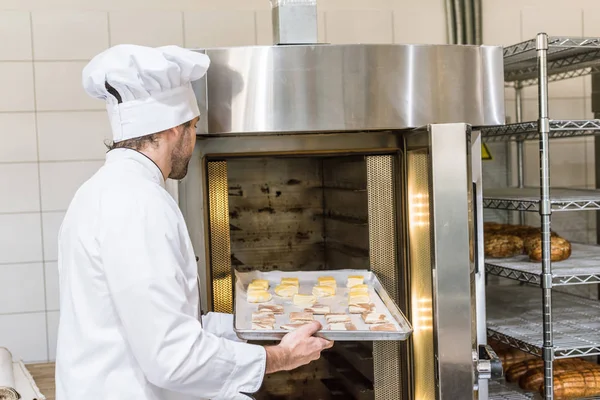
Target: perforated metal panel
x: 383, y: 259
x: 420, y: 269
x: 220, y: 254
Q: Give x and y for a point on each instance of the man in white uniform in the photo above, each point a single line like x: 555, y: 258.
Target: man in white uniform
x: 129, y: 326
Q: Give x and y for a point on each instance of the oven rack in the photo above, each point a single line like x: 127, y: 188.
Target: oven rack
x: 514, y: 317
x: 583, y: 267
x: 567, y: 57
x: 528, y: 199
x: 500, y: 390
x: 559, y: 128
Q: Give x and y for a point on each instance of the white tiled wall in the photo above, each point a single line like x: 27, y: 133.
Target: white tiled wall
x: 52, y: 134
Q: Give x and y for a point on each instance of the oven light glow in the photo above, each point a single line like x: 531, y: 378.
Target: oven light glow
x: 419, y: 210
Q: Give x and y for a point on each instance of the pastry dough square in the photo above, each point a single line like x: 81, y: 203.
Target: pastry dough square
x: 342, y: 326
x: 374, y: 318
x: 263, y: 317
x: 284, y: 290
x: 359, y: 299
x: 260, y: 283
x: 261, y: 326
x: 361, y: 308
x: 274, y: 308
x: 326, y: 281
x: 383, y: 327
x: 304, y: 300
x: 354, y: 280
x: 290, y: 281
x: 319, y: 309
x: 259, y: 296
x: 323, y: 291
x: 301, y: 316
x: 333, y: 318
x: 254, y: 286
x: 292, y: 326
x: 359, y: 289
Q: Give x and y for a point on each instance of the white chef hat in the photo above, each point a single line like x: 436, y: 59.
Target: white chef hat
x: 154, y: 85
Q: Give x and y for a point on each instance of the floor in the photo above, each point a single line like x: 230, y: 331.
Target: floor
x: 43, y: 375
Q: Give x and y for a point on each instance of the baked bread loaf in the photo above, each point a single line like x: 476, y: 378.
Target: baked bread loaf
x: 533, y: 378
x: 576, y: 384
x: 560, y: 249
x: 515, y: 371
x: 512, y: 356
x: 502, y: 246
x: 493, y: 227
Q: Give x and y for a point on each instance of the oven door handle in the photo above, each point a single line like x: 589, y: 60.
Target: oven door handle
x: 489, y: 365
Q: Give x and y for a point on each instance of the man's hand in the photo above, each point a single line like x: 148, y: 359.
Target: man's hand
x: 297, y: 348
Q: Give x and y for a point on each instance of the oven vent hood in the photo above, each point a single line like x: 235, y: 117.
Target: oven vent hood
x: 299, y: 86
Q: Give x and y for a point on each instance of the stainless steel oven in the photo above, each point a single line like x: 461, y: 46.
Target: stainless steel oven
x: 317, y: 157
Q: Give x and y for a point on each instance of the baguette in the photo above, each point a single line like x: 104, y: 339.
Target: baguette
x: 533, y: 378
x: 575, y: 384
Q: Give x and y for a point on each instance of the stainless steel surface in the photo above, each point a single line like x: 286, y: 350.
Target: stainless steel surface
x: 566, y: 55
x: 528, y: 199
x: 479, y: 279
x: 383, y: 255
x: 583, y: 267
x: 529, y: 130
x: 439, y: 182
x: 350, y: 87
x: 500, y: 390
x: 383, y: 302
x: 515, y: 318
x: 450, y: 190
x: 520, y: 163
x: 220, y: 251
x: 294, y: 21
x: 545, y: 213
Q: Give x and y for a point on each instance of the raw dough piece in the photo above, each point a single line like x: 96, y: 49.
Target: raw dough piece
x: 374, y: 318
x: 259, y: 296
x: 383, y: 327
x: 326, y: 281
x: 274, y: 308
x: 261, y: 326
x: 304, y: 300
x: 323, y: 291
x: 292, y: 326
x: 354, y: 280
x: 342, y: 326
x: 333, y: 318
x: 261, y: 282
x: 361, y: 308
x: 301, y: 316
x: 290, y: 281
x: 263, y: 317
x: 253, y: 287
x: 359, y: 289
x: 284, y: 290
x: 359, y: 299
x: 318, y: 309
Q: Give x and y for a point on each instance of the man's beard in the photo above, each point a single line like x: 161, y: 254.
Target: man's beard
x: 179, y: 159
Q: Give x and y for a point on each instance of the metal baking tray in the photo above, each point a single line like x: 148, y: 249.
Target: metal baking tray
x: 338, y: 303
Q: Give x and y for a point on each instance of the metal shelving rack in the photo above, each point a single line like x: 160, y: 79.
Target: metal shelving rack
x: 537, y: 62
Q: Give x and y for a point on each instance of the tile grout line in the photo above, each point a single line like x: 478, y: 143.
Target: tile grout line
x: 37, y: 142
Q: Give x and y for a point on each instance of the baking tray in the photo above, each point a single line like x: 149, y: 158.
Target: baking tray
x: 338, y: 303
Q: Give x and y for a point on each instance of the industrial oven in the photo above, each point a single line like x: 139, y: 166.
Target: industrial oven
x: 319, y: 157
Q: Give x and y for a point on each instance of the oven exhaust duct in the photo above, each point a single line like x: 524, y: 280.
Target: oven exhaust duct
x: 294, y: 21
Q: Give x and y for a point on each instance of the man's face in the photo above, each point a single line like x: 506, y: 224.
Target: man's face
x: 183, y: 151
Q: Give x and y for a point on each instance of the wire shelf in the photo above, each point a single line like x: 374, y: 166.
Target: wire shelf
x: 528, y: 199
x: 500, y: 390
x: 583, y: 267
x: 565, y: 55
x: 529, y: 130
x: 515, y: 318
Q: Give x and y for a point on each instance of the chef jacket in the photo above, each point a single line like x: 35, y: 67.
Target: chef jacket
x: 129, y: 326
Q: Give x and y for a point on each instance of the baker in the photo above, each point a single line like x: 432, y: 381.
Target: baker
x: 129, y: 324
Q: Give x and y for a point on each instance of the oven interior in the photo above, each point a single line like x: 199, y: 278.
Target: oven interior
x: 297, y: 213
